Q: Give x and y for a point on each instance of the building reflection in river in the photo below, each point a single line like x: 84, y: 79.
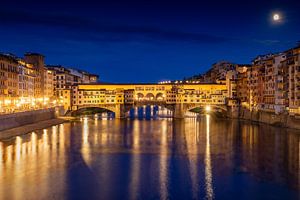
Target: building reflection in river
x: 27, y: 162
x: 165, y: 159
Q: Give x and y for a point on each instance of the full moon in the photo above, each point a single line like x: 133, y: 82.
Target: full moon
x: 276, y: 17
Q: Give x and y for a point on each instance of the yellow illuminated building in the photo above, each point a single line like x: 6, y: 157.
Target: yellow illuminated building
x: 116, y: 97
x: 25, y: 84
x: 48, y: 84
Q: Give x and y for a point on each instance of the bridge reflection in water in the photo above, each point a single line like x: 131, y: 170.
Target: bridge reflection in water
x: 149, y: 111
x: 156, y: 159
x: 146, y: 112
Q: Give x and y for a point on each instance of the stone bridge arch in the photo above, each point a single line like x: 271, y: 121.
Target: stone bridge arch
x: 160, y: 96
x: 181, y: 109
x: 149, y: 97
x: 212, y: 107
x: 140, y: 96
x: 115, y: 108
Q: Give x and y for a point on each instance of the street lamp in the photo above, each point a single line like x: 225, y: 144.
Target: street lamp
x: 207, y: 108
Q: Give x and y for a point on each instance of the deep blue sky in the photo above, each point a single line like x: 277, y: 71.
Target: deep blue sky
x: 136, y: 41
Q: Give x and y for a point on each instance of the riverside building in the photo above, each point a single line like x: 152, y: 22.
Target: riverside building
x: 26, y: 83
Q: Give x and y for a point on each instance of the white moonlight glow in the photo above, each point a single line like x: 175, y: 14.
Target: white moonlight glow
x: 276, y: 17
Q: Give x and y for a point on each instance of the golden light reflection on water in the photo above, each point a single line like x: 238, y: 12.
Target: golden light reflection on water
x: 18, y: 148
x: 1, y: 155
x: 192, y: 138
x: 54, y: 139
x: 135, y: 163
x: 33, y: 143
x: 136, y: 136
x: 1, y: 158
x: 163, y: 161
x: 85, y: 142
x: 44, y: 157
x: 26, y: 164
x: 207, y: 162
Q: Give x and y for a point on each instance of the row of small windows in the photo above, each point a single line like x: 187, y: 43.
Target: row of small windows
x: 98, y: 101
x: 149, y: 88
x: 9, y: 68
x: 95, y: 97
x: 198, y: 101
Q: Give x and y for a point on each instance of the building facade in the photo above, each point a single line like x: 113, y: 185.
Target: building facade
x: 112, y: 96
x: 64, y: 78
x: 26, y: 83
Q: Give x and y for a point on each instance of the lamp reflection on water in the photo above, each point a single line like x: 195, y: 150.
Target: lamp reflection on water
x: 96, y: 118
x: 85, y: 150
x: 207, y: 162
x: 54, y: 138
x: 136, y: 162
x: 144, y: 159
x: 18, y: 148
x: 163, y: 162
x: 16, y: 168
x: 192, y: 147
x: 33, y: 143
x: 61, y: 138
x: 45, y: 139
x: 1, y: 157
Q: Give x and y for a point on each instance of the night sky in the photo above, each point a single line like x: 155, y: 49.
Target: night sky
x: 147, y: 42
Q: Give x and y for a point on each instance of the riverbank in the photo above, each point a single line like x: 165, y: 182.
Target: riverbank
x: 266, y: 117
x: 6, y: 134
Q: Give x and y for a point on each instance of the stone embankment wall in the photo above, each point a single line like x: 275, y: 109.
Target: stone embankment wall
x: 13, y: 120
x: 283, y: 120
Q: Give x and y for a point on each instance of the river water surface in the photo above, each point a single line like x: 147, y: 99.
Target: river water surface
x: 204, y: 158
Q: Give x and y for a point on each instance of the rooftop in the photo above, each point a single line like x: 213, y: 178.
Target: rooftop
x: 150, y: 84
x: 33, y: 54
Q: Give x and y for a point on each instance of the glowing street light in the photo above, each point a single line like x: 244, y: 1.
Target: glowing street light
x: 207, y: 108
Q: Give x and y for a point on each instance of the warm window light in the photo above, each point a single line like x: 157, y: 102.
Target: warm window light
x: 6, y: 102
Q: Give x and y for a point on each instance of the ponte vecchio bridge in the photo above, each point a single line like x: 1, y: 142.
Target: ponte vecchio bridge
x: 120, y: 98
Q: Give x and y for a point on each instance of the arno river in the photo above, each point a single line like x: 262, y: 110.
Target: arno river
x: 204, y: 158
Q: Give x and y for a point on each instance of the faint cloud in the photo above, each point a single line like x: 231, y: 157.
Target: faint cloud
x: 267, y: 42
x: 87, y: 29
